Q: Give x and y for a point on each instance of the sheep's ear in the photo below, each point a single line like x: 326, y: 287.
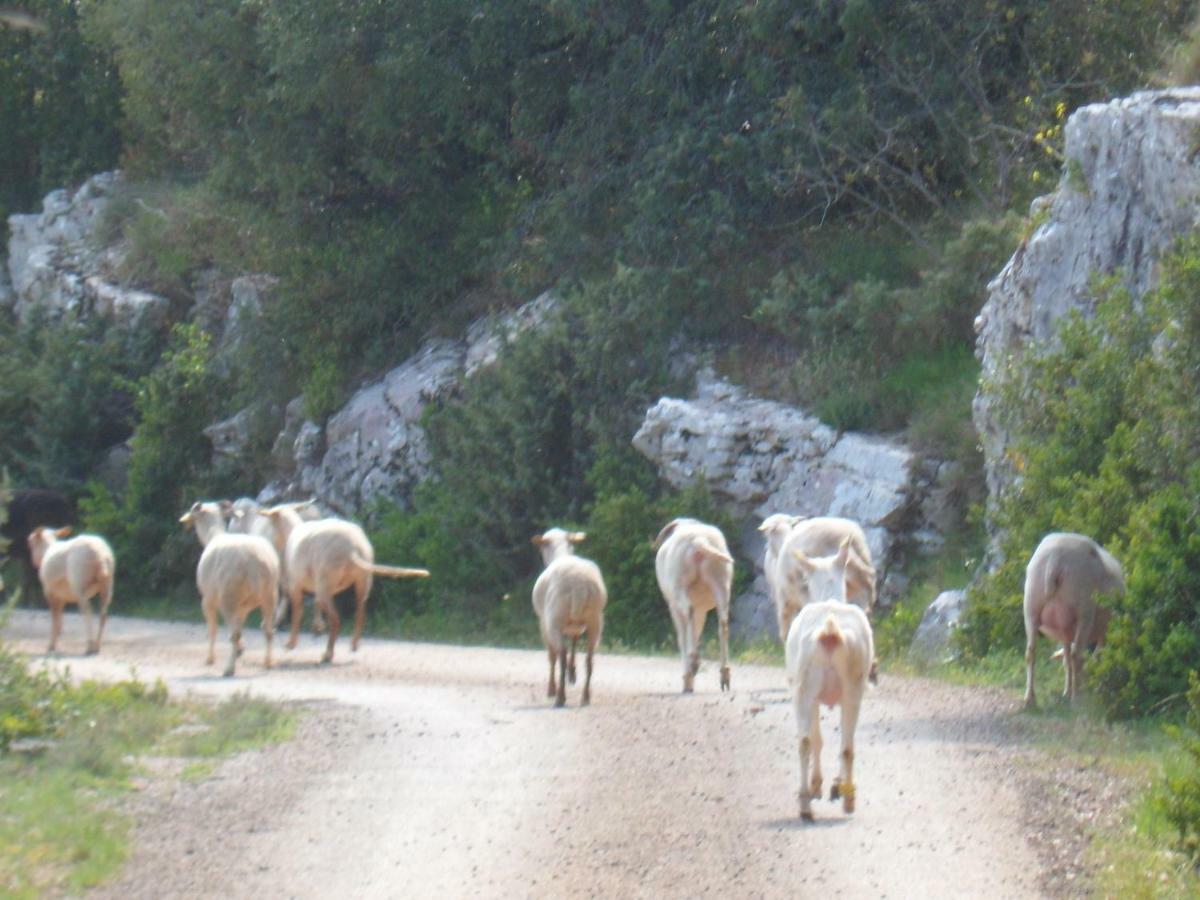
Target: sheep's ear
x: 64, y: 531
x: 805, y: 563
x: 843, y: 554
x: 576, y: 536
x: 226, y: 507
x: 664, y: 534
x: 764, y: 527
x: 537, y: 540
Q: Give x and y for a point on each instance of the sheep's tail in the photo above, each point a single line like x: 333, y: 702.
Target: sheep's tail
x: 830, y: 637
x: 388, y: 571
x: 708, y: 549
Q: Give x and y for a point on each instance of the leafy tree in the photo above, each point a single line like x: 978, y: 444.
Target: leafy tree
x: 59, y: 105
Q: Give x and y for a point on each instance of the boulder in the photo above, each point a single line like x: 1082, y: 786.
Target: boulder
x: 931, y: 643
x: 56, y: 265
x: 759, y: 457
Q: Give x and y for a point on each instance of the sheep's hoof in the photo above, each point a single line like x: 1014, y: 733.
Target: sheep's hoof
x: 571, y: 675
x: 228, y: 673
x: 209, y: 661
x: 687, y: 688
x: 873, y: 675
x: 848, y: 804
x: 92, y: 650
x: 806, y: 815
x: 560, y: 701
x: 291, y: 644
x: 326, y: 659
x: 586, y: 701
x: 354, y: 646
x: 835, y: 792
x: 724, y: 678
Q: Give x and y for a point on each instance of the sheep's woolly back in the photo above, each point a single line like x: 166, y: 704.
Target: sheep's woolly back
x: 238, y: 566
x: 81, y: 563
x: 569, y: 597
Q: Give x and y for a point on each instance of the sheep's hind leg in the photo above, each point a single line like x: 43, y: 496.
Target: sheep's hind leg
x: 210, y: 618
x: 571, y: 661
x: 85, y: 610
x: 587, y: 683
x: 550, y: 689
x: 56, y: 620
x: 324, y: 602
x: 560, y: 699
x: 235, y: 639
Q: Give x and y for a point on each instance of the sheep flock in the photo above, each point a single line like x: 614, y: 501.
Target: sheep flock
x: 819, y: 573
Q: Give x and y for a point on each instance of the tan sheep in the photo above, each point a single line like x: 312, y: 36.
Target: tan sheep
x: 817, y: 537
x: 695, y: 574
x: 323, y: 558
x: 569, y: 599
x: 73, y: 571
x: 1065, y: 575
x: 237, y: 573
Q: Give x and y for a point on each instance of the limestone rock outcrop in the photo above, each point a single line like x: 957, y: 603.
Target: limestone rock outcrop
x: 55, y: 263
x: 1130, y: 188
x: 759, y: 457
x: 374, y: 447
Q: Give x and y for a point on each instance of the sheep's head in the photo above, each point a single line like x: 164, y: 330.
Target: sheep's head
x: 207, y: 518
x: 556, y: 542
x: 825, y: 576
x: 284, y: 518
x: 776, y: 528
x: 41, y: 539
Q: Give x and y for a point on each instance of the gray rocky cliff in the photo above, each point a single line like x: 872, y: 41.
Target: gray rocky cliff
x: 1129, y: 189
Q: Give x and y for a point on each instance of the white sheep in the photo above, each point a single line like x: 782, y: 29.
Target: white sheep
x: 73, y: 571
x: 775, y: 529
x: 325, y: 557
x: 246, y: 517
x: 695, y: 574
x: 1065, y: 575
x: 237, y: 573
x: 829, y: 654
x: 569, y: 599
x: 818, y: 537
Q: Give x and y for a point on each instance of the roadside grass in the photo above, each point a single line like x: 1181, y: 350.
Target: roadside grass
x: 69, y: 753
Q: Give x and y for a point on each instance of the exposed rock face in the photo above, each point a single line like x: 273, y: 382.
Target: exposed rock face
x: 374, y: 447
x: 1129, y: 190
x: 54, y: 263
x: 931, y: 643
x: 761, y: 457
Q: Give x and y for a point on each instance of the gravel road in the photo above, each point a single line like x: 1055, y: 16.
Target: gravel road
x: 425, y: 770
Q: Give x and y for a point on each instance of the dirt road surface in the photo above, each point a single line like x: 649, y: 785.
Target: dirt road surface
x: 425, y: 770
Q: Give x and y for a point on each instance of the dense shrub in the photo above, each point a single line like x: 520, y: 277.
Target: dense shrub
x: 1106, y: 427
x: 1177, y: 796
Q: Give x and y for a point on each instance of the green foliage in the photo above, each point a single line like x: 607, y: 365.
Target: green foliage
x: 41, y: 704
x: 407, y: 166
x: 240, y: 723
x: 1106, y: 430
x: 170, y: 467
x: 1177, y: 796
x: 60, y: 109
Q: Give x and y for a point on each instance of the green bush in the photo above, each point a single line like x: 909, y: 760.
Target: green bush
x: 1177, y: 796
